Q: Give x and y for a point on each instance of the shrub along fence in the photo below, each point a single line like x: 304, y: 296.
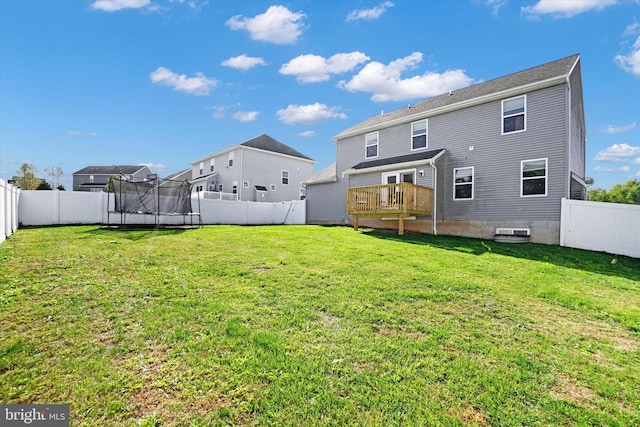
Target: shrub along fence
x: 9, y: 195
x: 56, y: 207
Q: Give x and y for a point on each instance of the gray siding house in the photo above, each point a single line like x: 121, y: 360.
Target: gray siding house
x: 95, y: 178
x: 493, y: 158
x: 261, y: 169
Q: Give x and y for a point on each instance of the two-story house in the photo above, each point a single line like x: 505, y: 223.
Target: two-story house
x: 489, y: 159
x: 261, y: 169
x: 95, y: 178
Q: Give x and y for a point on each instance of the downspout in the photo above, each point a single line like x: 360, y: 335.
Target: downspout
x: 241, y: 174
x: 435, y: 197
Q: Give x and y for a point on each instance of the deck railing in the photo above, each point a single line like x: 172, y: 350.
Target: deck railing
x: 400, y: 201
x: 403, y: 198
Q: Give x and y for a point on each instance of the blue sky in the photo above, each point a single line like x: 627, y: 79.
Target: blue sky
x: 166, y: 82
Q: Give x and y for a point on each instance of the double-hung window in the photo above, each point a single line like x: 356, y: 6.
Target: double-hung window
x: 285, y: 177
x: 419, y: 135
x: 534, y: 177
x: 213, y: 165
x: 201, y: 170
x: 514, y: 113
x: 231, y: 156
x: 371, y: 145
x: 463, y: 183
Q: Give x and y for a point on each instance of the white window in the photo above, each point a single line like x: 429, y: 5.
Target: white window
x: 213, y: 165
x: 245, y: 184
x: 303, y: 193
x: 231, y: 159
x: 514, y: 112
x: 220, y: 188
x: 419, y: 135
x: 272, y: 187
x: 201, y: 168
x: 91, y: 179
x: 399, y: 176
x: 463, y: 183
x: 534, y: 178
x: 371, y: 145
x: 285, y: 177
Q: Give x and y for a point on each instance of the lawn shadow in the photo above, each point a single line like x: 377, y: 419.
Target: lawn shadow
x: 135, y: 233
x: 595, y: 262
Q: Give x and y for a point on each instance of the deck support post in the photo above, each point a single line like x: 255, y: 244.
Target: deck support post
x: 355, y: 223
x: 401, y: 225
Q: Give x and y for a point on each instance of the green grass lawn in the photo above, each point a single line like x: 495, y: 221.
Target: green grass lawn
x: 306, y: 325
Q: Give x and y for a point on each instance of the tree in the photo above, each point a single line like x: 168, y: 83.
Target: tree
x: 44, y: 185
x: 55, y: 173
x: 61, y: 187
x: 628, y: 193
x: 26, y: 178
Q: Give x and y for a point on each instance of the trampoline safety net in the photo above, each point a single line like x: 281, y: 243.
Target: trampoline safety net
x: 157, y: 197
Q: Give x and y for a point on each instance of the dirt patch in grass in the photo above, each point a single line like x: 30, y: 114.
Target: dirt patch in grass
x: 562, y: 323
x: 567, y: 388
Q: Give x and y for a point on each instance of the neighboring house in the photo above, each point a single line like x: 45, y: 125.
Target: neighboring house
x: 95, y: 178
x: 490, y: 159
x: 261, y: 169
x: 183, y: 175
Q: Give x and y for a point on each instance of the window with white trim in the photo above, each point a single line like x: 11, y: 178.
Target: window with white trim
x: 533, y: 177
x: 231, y: 159
x: 371, y: 145
x: 220, y: 188
x: 272, y: 187
x: 514, y: 113
x: 201, y: 168
x: 419, y: 135
x: 285, y: 177
x: 463, y: 183
x: 213, y: 165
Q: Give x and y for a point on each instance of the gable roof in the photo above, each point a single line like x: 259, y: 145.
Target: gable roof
x: 267, y: 143
x: 550, y: 73
x: 110, y: 170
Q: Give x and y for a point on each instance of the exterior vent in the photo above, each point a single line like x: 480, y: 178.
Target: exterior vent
x: 513, y: 232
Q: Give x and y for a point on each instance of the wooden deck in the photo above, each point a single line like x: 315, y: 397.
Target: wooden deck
x: 389, y: 201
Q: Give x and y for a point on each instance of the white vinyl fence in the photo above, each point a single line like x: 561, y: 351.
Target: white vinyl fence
x: 597, y: 226
x: 9, y: 195
x: 56, y: 207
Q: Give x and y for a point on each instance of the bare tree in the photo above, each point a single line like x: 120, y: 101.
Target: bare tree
x: 55, y: 172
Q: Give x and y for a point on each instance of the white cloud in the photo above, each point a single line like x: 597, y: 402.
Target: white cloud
x: 158, y: 167
x: 198, y: 85
x: 608, y: 169
x: 617, y: 153
x: 632, y: 29
x: 614, y: 130
x: 386, y: 83
x: 277, y: 25
x: 369, y: 14
x: 630, y: 62
x: 308, y: 114
x: 496, y: 5
x: 565, y: 8
x: 246, y: 116
x: 315, y: 68
x: 115, y: 5
x: 219, y: 112
x: 82, y: 134
x: 307, y: 133
x: 243, y: 62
